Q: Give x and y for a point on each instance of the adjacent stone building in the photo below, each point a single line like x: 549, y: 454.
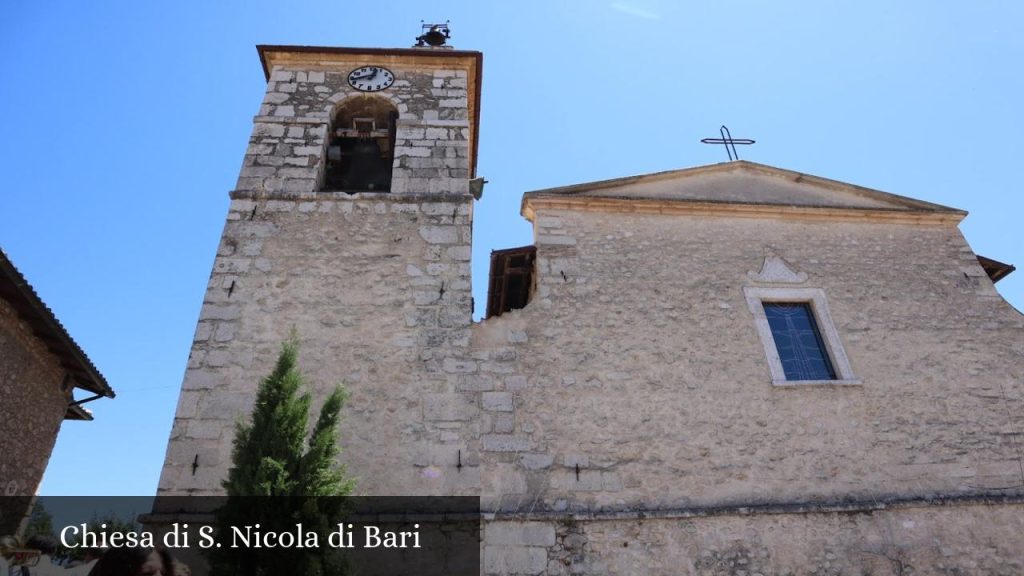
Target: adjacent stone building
x: 40, y: 366
x: 729, y: 369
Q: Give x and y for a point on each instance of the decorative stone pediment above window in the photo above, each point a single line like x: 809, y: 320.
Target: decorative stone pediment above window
x: 775, y: 270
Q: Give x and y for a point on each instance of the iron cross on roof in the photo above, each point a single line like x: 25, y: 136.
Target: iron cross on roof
x: 729, y: 142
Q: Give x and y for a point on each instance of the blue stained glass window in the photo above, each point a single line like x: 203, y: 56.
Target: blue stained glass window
x: 801, y: 349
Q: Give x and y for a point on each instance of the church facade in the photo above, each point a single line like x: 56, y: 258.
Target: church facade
x: 729, y: 369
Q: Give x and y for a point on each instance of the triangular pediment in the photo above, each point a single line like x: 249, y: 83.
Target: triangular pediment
x: 745, y: 183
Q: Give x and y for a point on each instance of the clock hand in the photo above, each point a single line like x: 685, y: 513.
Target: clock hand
x: 366, y: 76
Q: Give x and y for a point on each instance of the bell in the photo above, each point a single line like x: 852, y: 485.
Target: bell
x: 435, y: 37
x: 366, y: 169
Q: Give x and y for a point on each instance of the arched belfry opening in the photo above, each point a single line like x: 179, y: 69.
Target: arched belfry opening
x: 361, y: 146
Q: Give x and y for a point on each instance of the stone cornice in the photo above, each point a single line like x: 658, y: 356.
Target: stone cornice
x: 345, y: 196
x: 762, y: 509
x: 533, y: 201
x: 330, y: 58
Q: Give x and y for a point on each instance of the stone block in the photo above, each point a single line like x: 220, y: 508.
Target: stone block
x: 556, y: 240
x: 572, y: 460
x: 588, y: 481
x: 281, y: 75
x: 227, y: 407
x: 248, y: 228
x: 611, y: 482
x: 503, y: 423
x: 249, y: 184
x: 550, y: 222
x: 276, y: 98
x: 258, y: 171
x: 461, y: 253
x: 264, y: 129
x: 536, y: 461
x: 436, y: 134
x: 232, y: 265
x: 260, y: 149
x: 438, y: 269
x: 455, y: 316
x: 505, y: 443
x: 452, y: 407
x: 269, y: 160
x: 225, y: 249
x: 299, y: 185
x: 440, y: 208
x: 215, y: 312
x: 243, y: 206
x: 225, y: 332
x: 476, y: 383
x: 280, y: 206
x: 516, y: 534
x: 515, y: 382
x: 404, y: 133
x: 497, y: 401
x: 424, y: 297
x: 201, y: 380
x: 421, y: 152
x: 439, y: 234
x: 217, y: 358
x: 203, y: 331
x: 459, y: 366
x: 296, y: 172
x: 188, y: 404
x: 516, y: 560
x: 204, y: 429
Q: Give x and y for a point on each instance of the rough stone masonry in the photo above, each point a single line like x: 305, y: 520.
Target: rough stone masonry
x: 626, y: 420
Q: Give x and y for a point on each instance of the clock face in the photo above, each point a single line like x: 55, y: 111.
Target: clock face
x: 371, y: 78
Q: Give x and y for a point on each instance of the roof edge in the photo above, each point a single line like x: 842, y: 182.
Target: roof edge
x: 910, y: 203
x: 262, y: 49
x: 95, y: 381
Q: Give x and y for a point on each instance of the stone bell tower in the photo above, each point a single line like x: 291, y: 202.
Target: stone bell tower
x: 351, y: 222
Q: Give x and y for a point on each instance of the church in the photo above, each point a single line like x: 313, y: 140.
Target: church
x: 725, y: 369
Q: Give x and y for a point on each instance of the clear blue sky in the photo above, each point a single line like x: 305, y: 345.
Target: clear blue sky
x: 125, y: 125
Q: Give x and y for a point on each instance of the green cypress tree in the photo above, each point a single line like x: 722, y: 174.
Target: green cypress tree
x: 279, y: 479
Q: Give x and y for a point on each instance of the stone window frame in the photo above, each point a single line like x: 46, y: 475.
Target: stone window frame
x: 815, y: 298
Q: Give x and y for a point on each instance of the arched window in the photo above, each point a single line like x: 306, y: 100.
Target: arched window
x: 361, y: 146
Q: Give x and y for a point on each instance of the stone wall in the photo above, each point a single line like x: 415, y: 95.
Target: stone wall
x: 636, y: 378
x: 377, y: 287
x: 34, y: 407
x: 970, y: 538
x: 287, y: 147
